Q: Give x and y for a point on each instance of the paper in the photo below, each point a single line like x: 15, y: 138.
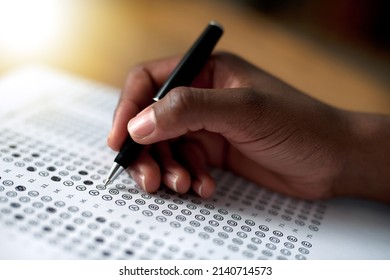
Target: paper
x: 53, y: 204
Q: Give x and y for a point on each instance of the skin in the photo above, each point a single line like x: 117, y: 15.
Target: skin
x: 239, y: 118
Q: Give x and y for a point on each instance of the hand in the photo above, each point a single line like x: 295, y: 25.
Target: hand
x: 236, y: 117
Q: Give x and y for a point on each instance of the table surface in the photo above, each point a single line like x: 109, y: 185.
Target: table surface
x: 104, y: 39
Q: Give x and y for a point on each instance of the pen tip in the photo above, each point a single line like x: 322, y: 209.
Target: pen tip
x: 116, y: 169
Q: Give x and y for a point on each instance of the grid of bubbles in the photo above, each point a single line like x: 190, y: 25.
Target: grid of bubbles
x: 56, y: 194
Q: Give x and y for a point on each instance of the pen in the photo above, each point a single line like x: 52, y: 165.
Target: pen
x: 184, y: 73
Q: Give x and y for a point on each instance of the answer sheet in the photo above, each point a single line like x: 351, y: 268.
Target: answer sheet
x: 53, y: 203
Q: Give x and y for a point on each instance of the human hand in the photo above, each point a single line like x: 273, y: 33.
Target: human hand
x: 237, y: 117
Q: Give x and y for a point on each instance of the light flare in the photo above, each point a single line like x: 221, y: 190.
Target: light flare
x: 29, y: 26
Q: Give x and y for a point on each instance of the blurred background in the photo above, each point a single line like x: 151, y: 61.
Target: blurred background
x: 337, y: 51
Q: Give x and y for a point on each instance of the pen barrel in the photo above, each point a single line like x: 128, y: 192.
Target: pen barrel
x: 129, y: 152
x: 193, y: 61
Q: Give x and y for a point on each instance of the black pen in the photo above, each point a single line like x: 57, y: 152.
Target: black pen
x: 183, y: 75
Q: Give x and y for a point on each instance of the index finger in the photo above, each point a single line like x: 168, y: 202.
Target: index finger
x: 142, y: 83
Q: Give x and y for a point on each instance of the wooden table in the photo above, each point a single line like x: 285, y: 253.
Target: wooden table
x: 104, y: 39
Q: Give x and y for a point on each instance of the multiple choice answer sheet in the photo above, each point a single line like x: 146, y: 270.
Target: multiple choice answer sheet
x: 53, y: 203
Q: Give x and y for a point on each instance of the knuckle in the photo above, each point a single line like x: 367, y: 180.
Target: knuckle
x: 138, y: 71
x: 134, y: 71
x: 255, y: 104
x: 181, y: 101
x: 251, y: 119
x: 183, y: 106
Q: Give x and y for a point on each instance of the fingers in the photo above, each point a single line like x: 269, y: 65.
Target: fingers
x: 146, y: 172
x: 195, y: 160
x: 173, y: 174
x: 180, y: 172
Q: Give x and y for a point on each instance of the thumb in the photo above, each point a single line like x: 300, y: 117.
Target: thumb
x: 229, y: 112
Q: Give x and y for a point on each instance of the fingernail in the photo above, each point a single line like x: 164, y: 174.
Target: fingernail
x: 173, y: 178
x: 199, y: 185
x: 143, y: 124
x: 143, y: 182
x: 139, y: 178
